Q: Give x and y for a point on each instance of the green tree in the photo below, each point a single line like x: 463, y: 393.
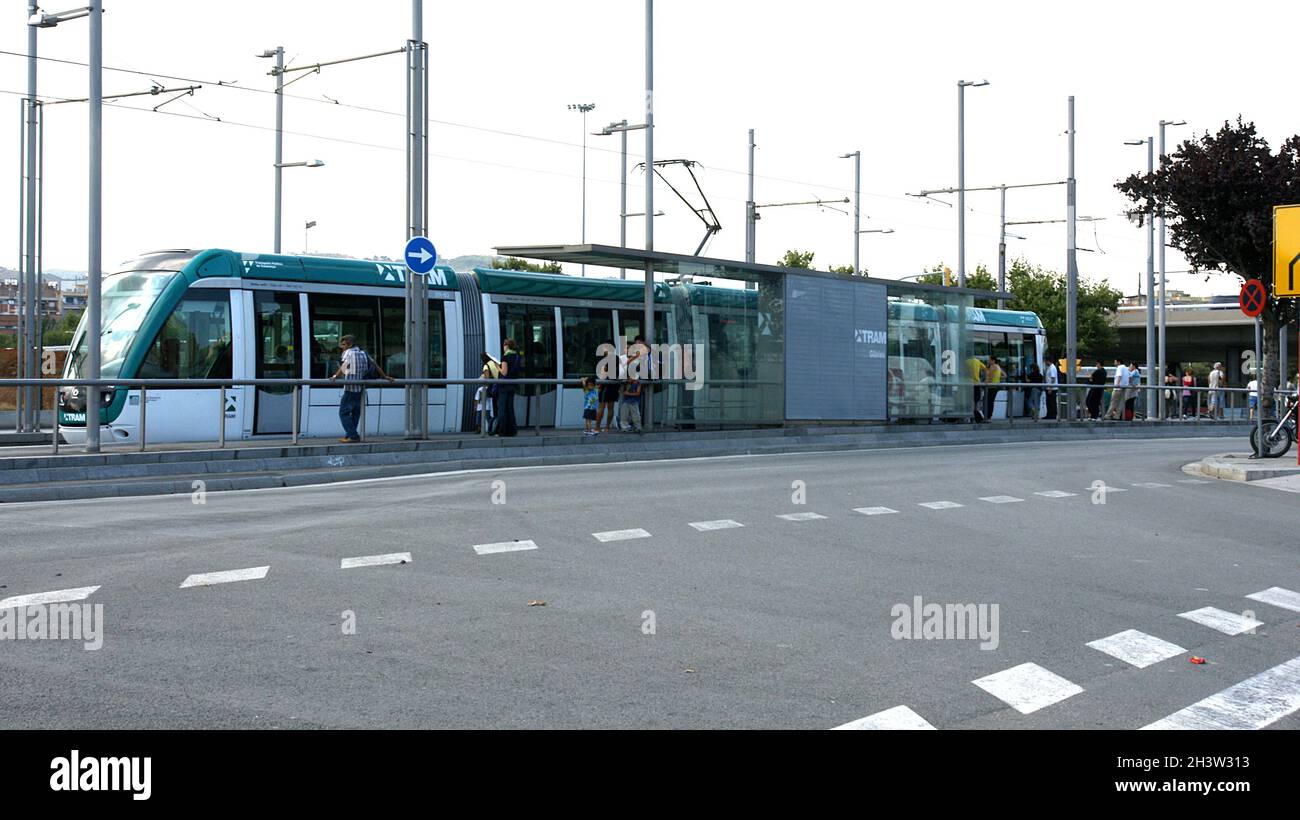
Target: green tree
x: 1044, y: 292
x: 981, y: 279
x: 60, y: 332
x: 515, y: 263
x: 1217, y: 195
x: 797, y: 259
x: 845, y: 269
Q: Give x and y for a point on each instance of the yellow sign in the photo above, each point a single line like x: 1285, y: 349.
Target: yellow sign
x: 1286, y: 250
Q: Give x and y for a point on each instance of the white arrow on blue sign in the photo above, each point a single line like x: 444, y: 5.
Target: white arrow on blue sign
x: 420, y: 254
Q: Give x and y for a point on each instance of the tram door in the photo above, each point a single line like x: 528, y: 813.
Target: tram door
x: 533, y: 329
x: 279, y: 356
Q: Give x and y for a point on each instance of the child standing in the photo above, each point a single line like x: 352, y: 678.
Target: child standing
x: 590, y: 399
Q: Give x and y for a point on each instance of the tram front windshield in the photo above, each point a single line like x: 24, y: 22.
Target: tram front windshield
x: 127, y: 298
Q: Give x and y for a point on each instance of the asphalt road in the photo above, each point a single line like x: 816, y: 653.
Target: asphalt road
x: 775, y: 623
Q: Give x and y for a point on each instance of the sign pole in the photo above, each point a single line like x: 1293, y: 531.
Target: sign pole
x: 1259, y: 390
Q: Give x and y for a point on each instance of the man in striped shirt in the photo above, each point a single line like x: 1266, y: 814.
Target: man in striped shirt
x: 354, y: 367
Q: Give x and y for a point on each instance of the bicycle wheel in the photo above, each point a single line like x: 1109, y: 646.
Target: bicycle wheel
x: 1277, y: 440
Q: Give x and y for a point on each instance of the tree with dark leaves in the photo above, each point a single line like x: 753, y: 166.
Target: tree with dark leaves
x: 1217, y: 195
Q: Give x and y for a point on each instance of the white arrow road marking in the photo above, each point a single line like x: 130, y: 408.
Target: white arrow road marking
x: 58, y: 596
x: 1276, y: 596
x: 1229, y: 623
x: 504, y: 546
x: 900, y: 717
x: 1027, y: 687
x: 375, y: 560
x: 204, y: 579
x: 1137, y: 648
x: 1252, y: 704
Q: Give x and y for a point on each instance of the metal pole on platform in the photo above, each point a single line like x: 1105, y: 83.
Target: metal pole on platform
x: 1072, y: 274
x: 649, y: 317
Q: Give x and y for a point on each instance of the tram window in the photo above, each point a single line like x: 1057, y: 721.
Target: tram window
x: 195, y: 341
x: 279, y: 355
x: 533, y: 329
x: 392, y: 353
x: 731, y: 345
x: 585, y: 330
x: 334, y: 316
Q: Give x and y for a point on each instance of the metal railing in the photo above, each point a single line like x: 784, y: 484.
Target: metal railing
x: 1063, y: 397
x: 108, y: 386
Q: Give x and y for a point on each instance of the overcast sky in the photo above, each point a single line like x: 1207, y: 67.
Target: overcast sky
x: 815, y: 79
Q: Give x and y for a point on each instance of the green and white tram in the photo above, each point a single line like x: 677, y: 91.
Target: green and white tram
x: 219, y: 314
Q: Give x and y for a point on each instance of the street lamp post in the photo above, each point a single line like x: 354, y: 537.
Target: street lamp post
x: 584, y: 108
x: 94, y: 278
x: 1164, y: 364
x: 1155, y: 395
x: 857, y: 205
x: 961, y: 176
x: 621, y: 128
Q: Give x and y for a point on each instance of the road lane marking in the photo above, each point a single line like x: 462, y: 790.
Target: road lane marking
x: 619, y: 535
x: 204, y: 579
x: 1136, y: 648
x: 720, y: 524
x: 375, y: 560
x: 1001, y: 499
x: 807, y: 516
x: 1151, y: 485
x: 1229, y: 623
x: 1055, y: 494
x: 874, y: 510
x: 1110, y: 488
x: 900, y: 717
x: 1252, y: 704
x: 504, y: 546
x: 939, y: 505
x: 1193, y: 481
x: 1027, y: 687
x: 1276, y: 596
x: 58, y: 596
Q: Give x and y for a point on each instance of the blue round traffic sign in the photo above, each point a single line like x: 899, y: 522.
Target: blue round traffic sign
x: 420, y: 254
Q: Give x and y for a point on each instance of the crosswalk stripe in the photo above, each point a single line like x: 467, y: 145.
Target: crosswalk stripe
x: 940, y: 505
x: 1001, y: 499
x: 899, y: 717
x: 1110, y: 488
x: 504, y: 546
x: 720, y: 524
x: 874, y: 510
x: 1136, y: 648
x: 1276, y: 596
x: 1252, y: 704
x: 58, y: 596
x: 1193, y: 481
x: 1229, y: 623
x: 1027, y: 687
x: 804, y: 516
x: 1055, y: 494
x: 1151, y: 485
x: 619, y: 535
x: 375, y: 560
x: 229, y: 576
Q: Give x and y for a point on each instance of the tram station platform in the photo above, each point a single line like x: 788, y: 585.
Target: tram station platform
x: 29, y: 474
